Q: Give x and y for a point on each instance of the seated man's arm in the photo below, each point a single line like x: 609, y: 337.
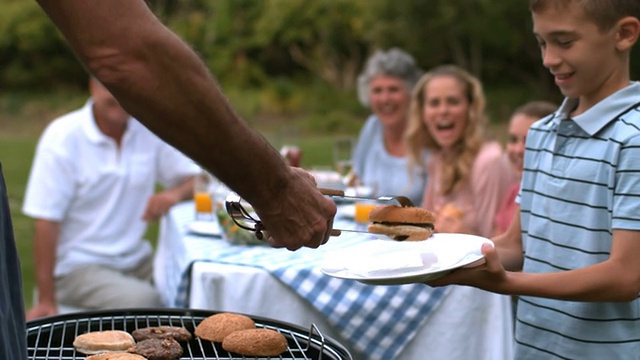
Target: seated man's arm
x: 45, y: 243
x: 161, y: 202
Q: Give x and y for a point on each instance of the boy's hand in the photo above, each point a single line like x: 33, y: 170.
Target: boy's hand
x: 490, y: 275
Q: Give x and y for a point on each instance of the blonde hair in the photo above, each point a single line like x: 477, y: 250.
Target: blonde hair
x: 457, y: 164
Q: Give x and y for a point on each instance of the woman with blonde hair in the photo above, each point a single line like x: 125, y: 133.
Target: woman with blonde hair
x: 467, y: 174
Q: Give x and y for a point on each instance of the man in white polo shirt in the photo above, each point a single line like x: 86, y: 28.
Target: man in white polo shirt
x: 91, y: 193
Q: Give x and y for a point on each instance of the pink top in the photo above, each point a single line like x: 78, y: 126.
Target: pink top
x: 479, y: 199
x: 507, y: 210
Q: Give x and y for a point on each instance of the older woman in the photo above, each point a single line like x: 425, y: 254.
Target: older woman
x: 468, y: 176
x: 380, y: 159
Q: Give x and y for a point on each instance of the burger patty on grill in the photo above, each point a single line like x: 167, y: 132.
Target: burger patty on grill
x: 162, y: 332
x: 158, y: 349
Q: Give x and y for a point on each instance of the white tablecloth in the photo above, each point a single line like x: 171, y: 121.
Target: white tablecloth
x: 373, y: 322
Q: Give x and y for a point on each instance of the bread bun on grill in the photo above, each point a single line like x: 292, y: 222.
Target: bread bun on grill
x: 115, y: 356
x: 216, y: 327
x: 103, y: 341
x: 255, y: 342
x: 402, y: 223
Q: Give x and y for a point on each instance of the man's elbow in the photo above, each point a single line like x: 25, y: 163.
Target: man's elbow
x: 112, y: 68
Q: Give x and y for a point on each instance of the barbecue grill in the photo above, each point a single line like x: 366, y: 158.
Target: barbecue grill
x: 52, y: 337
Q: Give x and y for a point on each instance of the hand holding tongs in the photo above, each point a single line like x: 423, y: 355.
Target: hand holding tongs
x: 248, y: 221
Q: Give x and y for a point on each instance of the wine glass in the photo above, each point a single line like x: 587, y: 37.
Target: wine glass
x: 289, y: 149
x: 343, y: 155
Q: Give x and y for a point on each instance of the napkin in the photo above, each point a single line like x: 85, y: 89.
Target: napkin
x: 391, y: 263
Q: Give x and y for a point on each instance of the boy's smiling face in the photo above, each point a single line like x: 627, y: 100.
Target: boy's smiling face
x: 585, y: 61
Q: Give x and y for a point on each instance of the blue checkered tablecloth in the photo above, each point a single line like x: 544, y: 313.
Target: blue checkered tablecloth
x: 378, y: 321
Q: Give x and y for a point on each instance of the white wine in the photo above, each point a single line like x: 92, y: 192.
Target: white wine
x: 344, y: 167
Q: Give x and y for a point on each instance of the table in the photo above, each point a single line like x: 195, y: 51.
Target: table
x: 372, y: 322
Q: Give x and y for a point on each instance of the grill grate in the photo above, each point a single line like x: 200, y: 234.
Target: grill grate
x: 52, y: 337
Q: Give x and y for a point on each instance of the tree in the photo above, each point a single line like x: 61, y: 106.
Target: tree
x: 32, y: 51
x: 491, y: 39
x: 323, y: 37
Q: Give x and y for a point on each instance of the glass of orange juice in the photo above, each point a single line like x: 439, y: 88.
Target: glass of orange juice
x: 363, y: 206
x: 203, y: 202
x: 204, y: 206
x: 203, y: 197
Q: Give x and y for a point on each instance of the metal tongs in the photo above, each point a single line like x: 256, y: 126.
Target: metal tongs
x: 249, y: 221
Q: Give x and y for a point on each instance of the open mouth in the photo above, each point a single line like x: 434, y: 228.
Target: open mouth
x: 445, y: 126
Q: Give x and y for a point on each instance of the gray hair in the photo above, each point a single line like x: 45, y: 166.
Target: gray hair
x: 393, y: 62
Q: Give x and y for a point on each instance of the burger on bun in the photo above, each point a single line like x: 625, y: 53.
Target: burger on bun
x: 402, y: 223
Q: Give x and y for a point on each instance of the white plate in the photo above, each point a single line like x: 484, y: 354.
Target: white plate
x: 206, y: 228
x: 388, y: 262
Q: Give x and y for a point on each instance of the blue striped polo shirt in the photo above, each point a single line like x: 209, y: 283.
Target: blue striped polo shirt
x: 581, y: 180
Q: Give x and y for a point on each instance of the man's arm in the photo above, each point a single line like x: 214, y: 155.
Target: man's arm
x: 162, y: 82
x: 45, y: 242
x: 158, y: 204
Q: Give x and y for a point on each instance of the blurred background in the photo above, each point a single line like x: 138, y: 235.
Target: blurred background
x: 284, y: 64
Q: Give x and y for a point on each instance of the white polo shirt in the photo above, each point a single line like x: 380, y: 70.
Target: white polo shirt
x: 98, y: 192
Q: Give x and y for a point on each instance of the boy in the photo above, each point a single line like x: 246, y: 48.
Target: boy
x: 576, y: 235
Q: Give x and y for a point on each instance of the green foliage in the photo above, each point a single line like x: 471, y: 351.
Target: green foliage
x: 258, y: 43
x: 32, y: 51
x: 492, y: 39
x: 323, y: 37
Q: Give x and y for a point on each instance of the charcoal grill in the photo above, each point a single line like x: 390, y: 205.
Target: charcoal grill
x: 52, y: 337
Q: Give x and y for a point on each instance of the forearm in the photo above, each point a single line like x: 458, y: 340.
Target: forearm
x: 184, y: 190
x: 162, y: 82
x: 595, y: 283
x: 615, y: 279
x: 44, y: 252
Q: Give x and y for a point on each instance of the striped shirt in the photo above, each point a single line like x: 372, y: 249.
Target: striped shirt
x: 581, y: 180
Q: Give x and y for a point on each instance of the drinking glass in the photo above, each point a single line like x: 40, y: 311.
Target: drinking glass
x: 343, y: 155
x: 203, y: 196
x: 292, y: 155
x: 289, y: 148
x: 364, y: 205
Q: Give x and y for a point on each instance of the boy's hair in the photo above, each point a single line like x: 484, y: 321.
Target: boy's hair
x: 604, y: 13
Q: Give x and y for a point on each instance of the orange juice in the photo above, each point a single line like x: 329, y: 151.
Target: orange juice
x: 203, y: 202
x: 362, y: 211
